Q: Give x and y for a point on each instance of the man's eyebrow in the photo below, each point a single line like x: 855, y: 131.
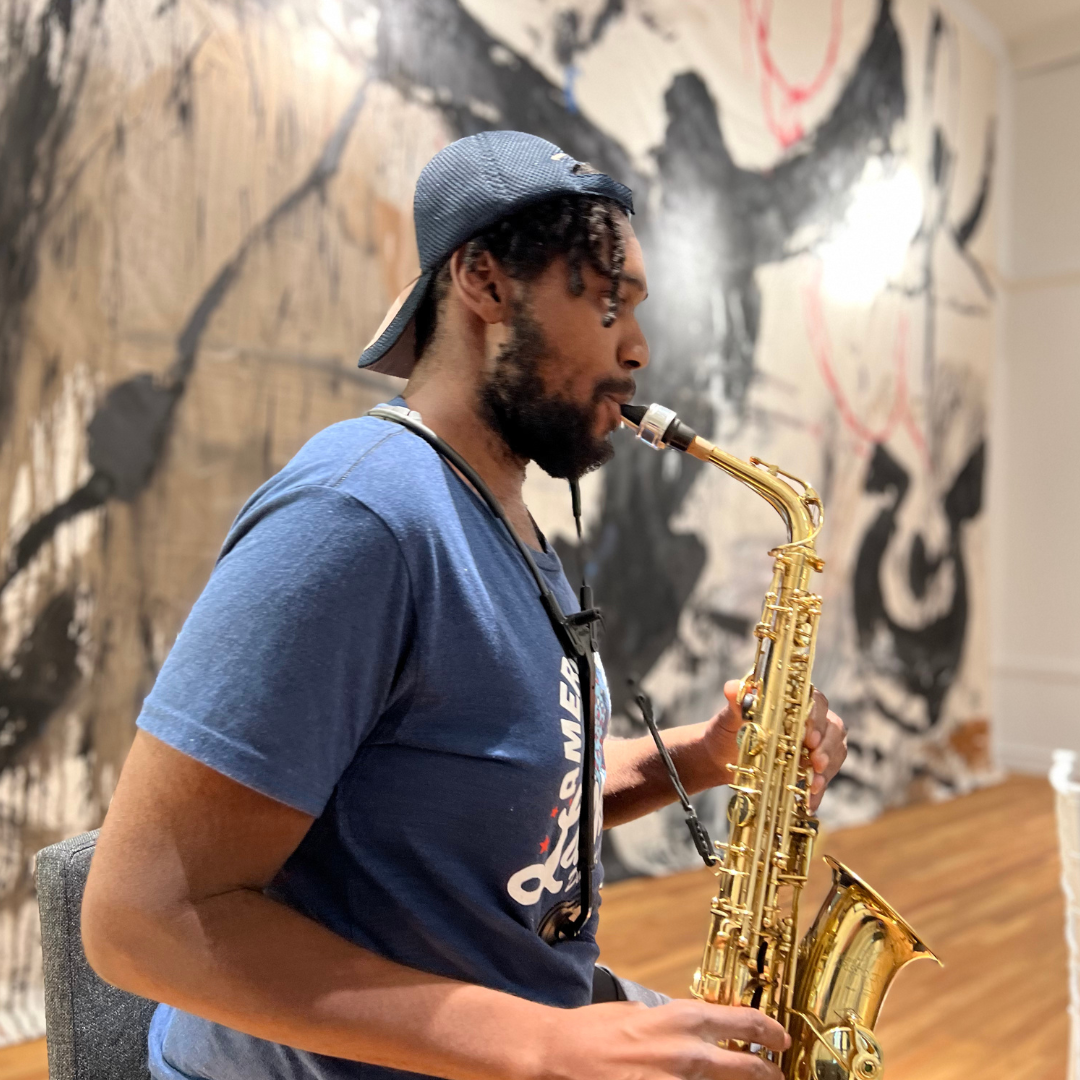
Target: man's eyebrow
x: 632, y: 280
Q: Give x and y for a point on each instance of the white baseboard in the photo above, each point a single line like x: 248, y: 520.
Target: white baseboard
x: 1024, y: 758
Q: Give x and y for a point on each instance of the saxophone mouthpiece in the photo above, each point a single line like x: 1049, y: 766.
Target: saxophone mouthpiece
x: 658, y: 426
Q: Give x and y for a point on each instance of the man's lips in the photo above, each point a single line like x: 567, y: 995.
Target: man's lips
x: 609, y: 396
x: 622, y: 389
x: 613, y: 408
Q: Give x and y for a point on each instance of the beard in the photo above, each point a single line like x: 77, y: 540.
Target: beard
x: 536, y: 425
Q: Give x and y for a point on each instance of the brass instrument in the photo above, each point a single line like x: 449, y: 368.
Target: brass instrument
x: 828, y: 994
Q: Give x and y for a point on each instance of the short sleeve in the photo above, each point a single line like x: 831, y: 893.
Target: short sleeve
x: 290, y: 654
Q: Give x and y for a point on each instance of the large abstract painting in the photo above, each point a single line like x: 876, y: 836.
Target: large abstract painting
x: 205, y: 210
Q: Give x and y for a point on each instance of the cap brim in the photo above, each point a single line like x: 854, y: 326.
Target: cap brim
x: 393, y: 348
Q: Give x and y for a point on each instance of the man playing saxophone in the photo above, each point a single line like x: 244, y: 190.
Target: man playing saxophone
x: 346, y: 841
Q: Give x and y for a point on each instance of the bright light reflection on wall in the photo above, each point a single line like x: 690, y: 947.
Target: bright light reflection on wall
x: 870, y: 248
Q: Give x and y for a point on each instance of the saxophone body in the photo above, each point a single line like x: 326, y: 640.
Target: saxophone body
x: 827, y: 990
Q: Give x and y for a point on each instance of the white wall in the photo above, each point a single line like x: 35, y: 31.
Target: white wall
x: 1035, y: 488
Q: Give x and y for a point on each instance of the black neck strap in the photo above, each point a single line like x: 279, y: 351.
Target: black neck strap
x: 576, y: 634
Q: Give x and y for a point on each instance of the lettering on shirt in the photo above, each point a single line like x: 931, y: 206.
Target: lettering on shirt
x: 569, y: 700
x: 558, y: 872
x: 571, y: 730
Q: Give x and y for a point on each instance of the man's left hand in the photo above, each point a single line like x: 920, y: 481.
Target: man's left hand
x: 825, y: 740
x: 638, y: 783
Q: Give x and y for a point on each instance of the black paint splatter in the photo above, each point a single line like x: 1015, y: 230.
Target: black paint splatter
x: 182, y: 92
x: 129, y: 430
x: 41, y: 81
x: 39, y: 678
x: 969, y: 224
x: 127, y: 437
x: 571, y: 37
x: 924, y: 659
x: 940, y: 174
x: 437, y: 45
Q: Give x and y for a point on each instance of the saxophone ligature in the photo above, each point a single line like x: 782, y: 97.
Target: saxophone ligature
x: 827, y: 991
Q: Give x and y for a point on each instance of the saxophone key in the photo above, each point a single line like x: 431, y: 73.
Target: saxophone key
x: 750, y: 739
x: 748, y: 770
x: 740, y: 810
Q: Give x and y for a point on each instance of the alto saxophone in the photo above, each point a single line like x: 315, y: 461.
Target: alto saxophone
x: 827, y: 994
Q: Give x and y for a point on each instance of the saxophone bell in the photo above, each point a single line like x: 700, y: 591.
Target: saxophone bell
x: 847, y: 962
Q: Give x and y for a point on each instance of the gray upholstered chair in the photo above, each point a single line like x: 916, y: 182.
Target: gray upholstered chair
x: 93, y: 1030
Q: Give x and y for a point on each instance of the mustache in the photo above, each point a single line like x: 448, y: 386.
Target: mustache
x: 625, y: 386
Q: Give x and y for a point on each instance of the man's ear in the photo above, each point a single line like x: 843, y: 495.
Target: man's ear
x: 482, y: 285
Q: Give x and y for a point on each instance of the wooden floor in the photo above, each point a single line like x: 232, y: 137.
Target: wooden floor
x: 25, y: 1062
x: 977, y: 877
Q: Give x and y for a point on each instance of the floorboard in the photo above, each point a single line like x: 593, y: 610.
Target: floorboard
x: 24, y: 1062
x: 977, y: 877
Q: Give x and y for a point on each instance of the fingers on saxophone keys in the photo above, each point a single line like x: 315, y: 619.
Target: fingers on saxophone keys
x: 716, y: 1064
x: 720, y: 1023
x: 817, y: 724
x: 829, y: 755
x: 837, y: 735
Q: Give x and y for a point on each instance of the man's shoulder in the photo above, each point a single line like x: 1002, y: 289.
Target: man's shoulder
x: 378, y: 464
x: 349, y: 485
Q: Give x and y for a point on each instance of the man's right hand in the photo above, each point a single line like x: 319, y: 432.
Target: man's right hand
x: 627, y: 1040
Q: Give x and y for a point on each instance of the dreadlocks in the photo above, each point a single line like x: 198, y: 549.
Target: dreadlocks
x: 582, y: 228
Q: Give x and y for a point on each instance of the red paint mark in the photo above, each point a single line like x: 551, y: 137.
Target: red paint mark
x: 554, y: 811
x: 916, y: 435
x: 900, y: 415
x: 544, y: 845
x: 782, y: 118
x: 746, y: 24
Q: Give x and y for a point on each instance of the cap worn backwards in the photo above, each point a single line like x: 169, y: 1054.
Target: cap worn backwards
x: 467, y: 186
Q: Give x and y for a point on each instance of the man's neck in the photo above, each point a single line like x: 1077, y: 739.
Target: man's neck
x: 452, y: 410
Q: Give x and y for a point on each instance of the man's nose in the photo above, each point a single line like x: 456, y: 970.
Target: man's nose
x: 634, y: 353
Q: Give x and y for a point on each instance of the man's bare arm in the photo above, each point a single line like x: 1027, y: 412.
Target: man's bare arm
x: 174, y: 910
x: 638, y: 783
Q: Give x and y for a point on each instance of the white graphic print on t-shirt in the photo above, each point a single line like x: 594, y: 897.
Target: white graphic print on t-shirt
x: 558, y: 871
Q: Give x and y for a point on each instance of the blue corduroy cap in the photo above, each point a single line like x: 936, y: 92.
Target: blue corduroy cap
x: 464, y: 188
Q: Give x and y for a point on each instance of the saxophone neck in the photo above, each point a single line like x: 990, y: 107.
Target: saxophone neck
x: 799, y: 507
x: 793, y: 499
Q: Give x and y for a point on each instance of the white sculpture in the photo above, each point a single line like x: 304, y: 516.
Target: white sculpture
x: 1067, y: 786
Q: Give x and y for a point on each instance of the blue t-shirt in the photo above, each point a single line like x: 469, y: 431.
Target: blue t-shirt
x: 371, y: 650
